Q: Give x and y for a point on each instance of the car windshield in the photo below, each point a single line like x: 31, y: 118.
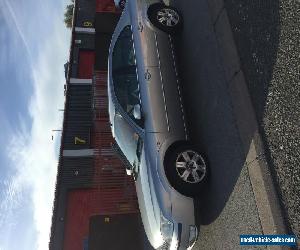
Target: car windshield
x: 128, y: 140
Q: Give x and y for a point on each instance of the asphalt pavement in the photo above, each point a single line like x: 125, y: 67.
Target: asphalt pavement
x: 228, y: 205
x: 267, y: 34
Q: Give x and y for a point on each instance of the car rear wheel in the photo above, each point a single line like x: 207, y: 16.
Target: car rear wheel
x: 187, y: 170
x: 166, y: 18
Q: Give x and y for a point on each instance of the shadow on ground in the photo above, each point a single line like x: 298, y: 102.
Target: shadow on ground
x: 256, y: 28
x: 209, y: 108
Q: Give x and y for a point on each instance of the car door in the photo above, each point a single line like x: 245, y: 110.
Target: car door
x: 127, y: 55
x: 151, y: 87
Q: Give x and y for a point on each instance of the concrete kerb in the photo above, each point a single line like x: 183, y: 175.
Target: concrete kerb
x: 264, y: 191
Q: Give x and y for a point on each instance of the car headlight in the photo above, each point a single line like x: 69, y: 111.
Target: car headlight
x: 166, y: 228
x: 193, y: 236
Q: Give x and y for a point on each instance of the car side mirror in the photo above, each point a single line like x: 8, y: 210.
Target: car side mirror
x: 129, y: 171
x: 137, y: 112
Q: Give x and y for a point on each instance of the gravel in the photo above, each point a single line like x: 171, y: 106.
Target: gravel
x: 267, y: 33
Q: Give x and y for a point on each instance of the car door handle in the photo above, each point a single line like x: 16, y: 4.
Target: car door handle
x: 147, y: 75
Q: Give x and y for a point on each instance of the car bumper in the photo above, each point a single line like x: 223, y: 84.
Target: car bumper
x: 183, y: 215
x: 180, y: 241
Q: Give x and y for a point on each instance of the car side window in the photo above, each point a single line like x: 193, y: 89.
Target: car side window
x: 123, y: 53
x: 126, y: 90
x: 124, y: 72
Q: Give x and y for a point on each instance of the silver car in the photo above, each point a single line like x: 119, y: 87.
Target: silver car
x: 148, y: 122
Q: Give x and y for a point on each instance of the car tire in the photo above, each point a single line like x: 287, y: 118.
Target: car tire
x: 187, y: 170
x: 165, y: 18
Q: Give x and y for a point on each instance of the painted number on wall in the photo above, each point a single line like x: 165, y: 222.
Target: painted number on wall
x: 79, y: 141
x: 87, y: 24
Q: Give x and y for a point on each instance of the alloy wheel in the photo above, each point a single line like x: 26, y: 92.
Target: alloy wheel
x: 168, y: 17
x: 190, y: 166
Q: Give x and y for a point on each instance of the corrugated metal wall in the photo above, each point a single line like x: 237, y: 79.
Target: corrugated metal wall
x: 77, y: 172
x: 110, y: 172
x: 105, y: 24
x: 85, y: 13
x: 95, y: 184
x: 103, y: 43
x: 79, y: 115
x: 102, y: 227
x: 58, y: 220
x: 81, y: 204
x: 86, y: 64
x: 105, y: 6
x: 84, y: 41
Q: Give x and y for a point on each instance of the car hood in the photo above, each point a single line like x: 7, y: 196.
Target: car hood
x: 149, y: 209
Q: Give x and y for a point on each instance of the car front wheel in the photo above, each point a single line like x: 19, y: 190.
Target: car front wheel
x: 187, y: 170
x: 166, y: 18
